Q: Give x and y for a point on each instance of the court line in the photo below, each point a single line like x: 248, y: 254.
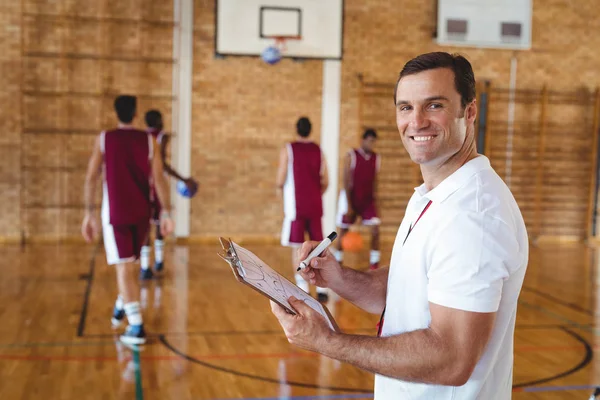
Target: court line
x: 217, y: 333
x: 88, y: 289
x: 278, y: 382
x: 44, y: 280
x: 53, y: 344
x: 589, y: 355
x: 137, y: 365
x: 279, y: 332
x: 583, y: 363
x: 559, y: 388
x: 370, y: 395
x: 179, y: 355
x: 548, y: 296
x: 27, y: 357
x: 543, y: 326
x: 315, y: 397
x: 111, y: 343
x: 586, y: 327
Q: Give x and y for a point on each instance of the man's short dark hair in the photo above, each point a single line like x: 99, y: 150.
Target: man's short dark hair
x: 303, y: 127
x: 370, y: 133
x: 153, y: 118
x: 464, y: 78
x: 125, y: 106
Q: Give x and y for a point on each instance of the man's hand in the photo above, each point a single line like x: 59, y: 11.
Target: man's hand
x: 89, y: 227
x: 323, y: 271
x: 307, y: 329
x: 191, y: 184
x: 166, y: 224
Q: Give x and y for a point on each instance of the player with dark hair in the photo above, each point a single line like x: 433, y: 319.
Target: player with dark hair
x: 127, y: 159
x: 357, y: 198
x: 302, y: 179
x: 154, y: 123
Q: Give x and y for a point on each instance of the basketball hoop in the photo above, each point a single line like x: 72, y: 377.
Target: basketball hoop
x: 273, y: 53
x: 280, y: 42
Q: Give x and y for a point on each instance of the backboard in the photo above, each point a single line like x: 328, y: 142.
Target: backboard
x: 247, y: 27
x: 500, y: 24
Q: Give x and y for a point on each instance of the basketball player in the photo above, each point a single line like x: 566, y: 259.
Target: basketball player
x: 358, y: 196
x: 128, y: 158
x: 154, y: 123
x: 302, y: 177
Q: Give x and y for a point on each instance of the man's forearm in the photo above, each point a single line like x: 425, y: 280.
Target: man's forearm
x: 162, y: 189
x: 366, y: 290
x: 89, y: 192
x: 348, y: 187
x: 417, y: 356
x: 349, y: 199
x: 172, y: 172
x: 163, y: 155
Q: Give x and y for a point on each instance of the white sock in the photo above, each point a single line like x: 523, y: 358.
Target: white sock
x: 158, y: 250
x: 322, y: 290
x: 339, y: 255
x: 375, y: 256
x: 301, y: 283
x: 119, y: 303
x: 145, y: 257
x: 133, y: 312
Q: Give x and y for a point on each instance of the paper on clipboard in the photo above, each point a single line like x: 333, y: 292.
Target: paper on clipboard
x: 252, y: 271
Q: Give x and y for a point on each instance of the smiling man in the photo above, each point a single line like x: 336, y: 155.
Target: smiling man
x: 448, y: 301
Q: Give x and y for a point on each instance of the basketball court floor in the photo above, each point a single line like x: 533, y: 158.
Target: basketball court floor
x: 212, y: 338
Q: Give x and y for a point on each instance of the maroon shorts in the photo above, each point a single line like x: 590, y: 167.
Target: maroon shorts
x: 123, y: 243
x: 367, y: 214
x: 368, y: 217
x: 292, y: 232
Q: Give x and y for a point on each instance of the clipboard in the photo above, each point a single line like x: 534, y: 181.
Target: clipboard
x: 250, y: 270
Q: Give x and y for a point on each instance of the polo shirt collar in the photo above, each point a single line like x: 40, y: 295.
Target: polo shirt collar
x: 455, y: 181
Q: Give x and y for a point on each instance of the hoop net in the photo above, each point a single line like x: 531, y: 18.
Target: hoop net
x: 281, y: 41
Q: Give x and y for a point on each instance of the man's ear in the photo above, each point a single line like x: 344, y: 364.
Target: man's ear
x: 471, y: 111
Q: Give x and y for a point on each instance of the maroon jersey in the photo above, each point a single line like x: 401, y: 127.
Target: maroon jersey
x: 364, y: 168
x: 156, y: 134
x: 302, y: 190
x: 127, y: 170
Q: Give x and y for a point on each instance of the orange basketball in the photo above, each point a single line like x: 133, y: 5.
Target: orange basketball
x: 352, y: 241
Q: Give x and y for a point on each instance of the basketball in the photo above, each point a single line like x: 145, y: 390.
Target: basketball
x: 271, y: 55
x: 183, y: 190
x: 352, y: 242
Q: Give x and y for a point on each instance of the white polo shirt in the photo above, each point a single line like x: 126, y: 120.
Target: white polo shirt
x: 468, y: 251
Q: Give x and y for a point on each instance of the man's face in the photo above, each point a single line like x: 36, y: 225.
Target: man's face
x: 431, y: 121
x: 368, y: 144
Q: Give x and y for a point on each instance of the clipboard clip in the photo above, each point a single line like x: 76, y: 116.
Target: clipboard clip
x: 231, y: 257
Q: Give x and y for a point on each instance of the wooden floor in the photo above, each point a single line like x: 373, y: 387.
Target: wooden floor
x: 212, y: 338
